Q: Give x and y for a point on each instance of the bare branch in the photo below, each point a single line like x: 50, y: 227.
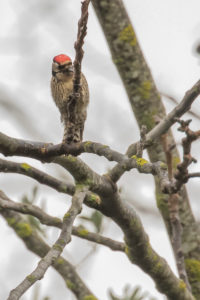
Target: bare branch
x: 140, y: 252
x: 56, y: 250
x: 177, y: 112
x: 176, y: 237
x: 181, y: 174
x: 82, y: 31
x: 56, y: 222
x: 81, y: 171
x: 193, y: 175
x: 141, y: 144
x: 35, y: 244
x: 27, y: 170
x: 161, y: 128
x: 171, y: 98
x: 74, y: 98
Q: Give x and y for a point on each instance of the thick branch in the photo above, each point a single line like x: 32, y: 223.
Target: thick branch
x: 141, y: 253
x: 147, y: 106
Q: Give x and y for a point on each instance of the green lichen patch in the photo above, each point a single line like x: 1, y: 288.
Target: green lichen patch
x: 83, y: 231
x: 25, y: 166
x: 23, y: 229
x: 193, y: 272
x: 90, y: 297
x: 129, y: 254
x: 70, y: 285
x: 162, y: 204
x: 128, y: 35
x: 60, y: 261
x: 140, y: 161
x: 11, y: 221
x: 145, y: 89
x: 66, y: 216
x: 71, y: 158
x: 93, y: 200
x: 182, y: 285
x: 118, y: 60
x: 175, y: 161
x: 31, y: 278
x: 163, y: 166
x: 193, y: 269
x: 87, y: 145
x: 57, y: 247
x: 147, y: 119
x: 62, y: 242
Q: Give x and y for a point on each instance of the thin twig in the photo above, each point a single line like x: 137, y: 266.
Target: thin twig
x: 171, y: 98
x: 193, y: 175
x: 168, y: 155
x: 161, y: 128
x: 177, y: 112
x: 75, y: 96
x: 181, y: 174
x: 141, y: 144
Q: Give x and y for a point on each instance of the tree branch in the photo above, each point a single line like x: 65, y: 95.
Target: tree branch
x: 191, y: 112
x: 140, y: 252
x: 56, y: 222
x: 42, y: 177
x: 56, y: 250
x: 36, y: 245
x: 173, y: 205
x: 176, y: 237
x: 74, y: 98
x: 177, y: 112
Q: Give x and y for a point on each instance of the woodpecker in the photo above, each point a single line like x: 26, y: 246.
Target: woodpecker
x: 61, y: 89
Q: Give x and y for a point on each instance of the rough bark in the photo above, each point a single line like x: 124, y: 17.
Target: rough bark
x: 148, y: 108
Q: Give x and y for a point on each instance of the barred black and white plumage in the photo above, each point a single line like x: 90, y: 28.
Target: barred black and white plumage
x: 61, y: 88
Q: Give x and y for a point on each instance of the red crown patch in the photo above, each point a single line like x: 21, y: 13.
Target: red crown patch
x: 61, y: 58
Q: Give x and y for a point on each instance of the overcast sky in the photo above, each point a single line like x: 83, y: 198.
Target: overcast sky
x: 31, y: 33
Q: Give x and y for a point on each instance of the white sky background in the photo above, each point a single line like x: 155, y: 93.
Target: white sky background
x: 31, y: 33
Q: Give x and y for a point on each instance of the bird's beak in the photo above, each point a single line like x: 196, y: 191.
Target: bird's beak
x: 70, y: 69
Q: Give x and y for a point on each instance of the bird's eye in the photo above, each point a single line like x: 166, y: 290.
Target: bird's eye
x: 61, y: 67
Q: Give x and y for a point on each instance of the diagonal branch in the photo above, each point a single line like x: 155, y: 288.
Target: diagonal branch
x: 56, y: 250
x: 117, y: 171
x: 171, y: 98
x: 177, y: 112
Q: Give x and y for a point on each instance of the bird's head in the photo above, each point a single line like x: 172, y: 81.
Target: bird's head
x: 62, y: 68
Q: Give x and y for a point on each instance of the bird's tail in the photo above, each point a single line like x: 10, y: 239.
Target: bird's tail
x: 73, y: 133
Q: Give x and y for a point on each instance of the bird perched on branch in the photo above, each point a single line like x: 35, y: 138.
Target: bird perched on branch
x: 73, y: 117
